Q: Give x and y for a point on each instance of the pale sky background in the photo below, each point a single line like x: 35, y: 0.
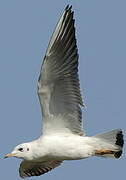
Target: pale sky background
x: 25, y: 29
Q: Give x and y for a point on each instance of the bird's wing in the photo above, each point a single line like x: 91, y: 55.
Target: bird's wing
x: 30, y: 168
x: 58, y: 84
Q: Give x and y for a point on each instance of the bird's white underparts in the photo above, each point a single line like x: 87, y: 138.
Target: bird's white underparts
x: 63, y: 137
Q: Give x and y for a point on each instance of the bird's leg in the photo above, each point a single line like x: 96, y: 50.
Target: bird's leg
x: 104, y: 151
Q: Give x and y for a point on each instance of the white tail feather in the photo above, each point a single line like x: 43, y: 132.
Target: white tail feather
x: 111, y: 143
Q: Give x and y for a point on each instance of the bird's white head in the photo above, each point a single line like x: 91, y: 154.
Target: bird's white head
x: 22, y: 151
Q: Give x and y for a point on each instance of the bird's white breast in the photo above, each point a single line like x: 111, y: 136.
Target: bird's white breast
x: 65, y: 147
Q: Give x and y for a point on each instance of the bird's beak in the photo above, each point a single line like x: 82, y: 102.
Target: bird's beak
x: 10, y: 155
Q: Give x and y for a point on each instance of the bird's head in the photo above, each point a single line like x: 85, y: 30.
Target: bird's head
x: 21, y: 151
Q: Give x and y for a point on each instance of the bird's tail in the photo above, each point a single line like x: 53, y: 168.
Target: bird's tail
x: 110, y: 144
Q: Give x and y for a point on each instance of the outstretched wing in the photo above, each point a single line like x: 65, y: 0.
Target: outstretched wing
x: 29, y: 168
x: 58, y: 85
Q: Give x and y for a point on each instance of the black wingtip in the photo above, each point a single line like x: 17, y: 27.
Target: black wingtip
x: 118, y: 154
x: 68, y: 7
x: 119, y: 139
x: 119, y: 142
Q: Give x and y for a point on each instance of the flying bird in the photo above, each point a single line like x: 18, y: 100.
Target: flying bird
x: 63, y: 137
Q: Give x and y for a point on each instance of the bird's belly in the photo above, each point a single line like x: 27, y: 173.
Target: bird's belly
x: 68, y: 148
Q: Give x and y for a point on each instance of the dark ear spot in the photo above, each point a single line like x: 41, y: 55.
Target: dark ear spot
x: 27, y: 149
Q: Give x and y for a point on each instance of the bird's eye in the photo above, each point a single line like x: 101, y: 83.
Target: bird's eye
x: 20, y: 149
